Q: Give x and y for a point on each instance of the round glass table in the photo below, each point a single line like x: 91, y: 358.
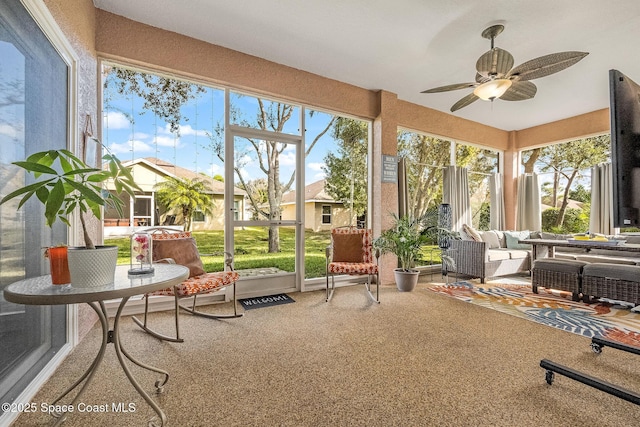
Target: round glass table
x: 40, y: 291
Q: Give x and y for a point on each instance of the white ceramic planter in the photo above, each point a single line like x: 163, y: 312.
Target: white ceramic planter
x: 90, y: 268
x: 406, y: 280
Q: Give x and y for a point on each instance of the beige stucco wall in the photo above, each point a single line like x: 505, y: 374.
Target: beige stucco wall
x: 593, y: 123
x: 313, y: 215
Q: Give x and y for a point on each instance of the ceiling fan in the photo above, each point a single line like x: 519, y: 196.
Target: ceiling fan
x: 495, y: 77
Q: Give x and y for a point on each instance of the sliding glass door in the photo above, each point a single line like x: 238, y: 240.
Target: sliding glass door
x: 34, y: 116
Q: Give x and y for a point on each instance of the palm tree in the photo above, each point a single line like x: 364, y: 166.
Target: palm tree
x: 185, y: 195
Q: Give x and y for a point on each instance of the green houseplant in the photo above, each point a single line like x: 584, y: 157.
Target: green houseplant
x: 405, y: 240
x: 64, y: 184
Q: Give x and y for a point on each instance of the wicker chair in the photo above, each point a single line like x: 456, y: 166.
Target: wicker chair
x: 175, y: 246
x: 351, y: 252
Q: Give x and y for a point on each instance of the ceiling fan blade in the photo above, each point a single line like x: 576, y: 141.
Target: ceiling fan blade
x: 450, y: 87
x: 464, y: 102
x: 546, y: 65
x: 496, y: 62
x: 519, y: 91
x: 481, y: 79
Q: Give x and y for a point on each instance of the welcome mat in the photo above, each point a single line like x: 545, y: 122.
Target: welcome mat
x: 268, y: 301
x: 551, y: 308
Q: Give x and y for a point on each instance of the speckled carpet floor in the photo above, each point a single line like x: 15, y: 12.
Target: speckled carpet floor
x: 417, y: 359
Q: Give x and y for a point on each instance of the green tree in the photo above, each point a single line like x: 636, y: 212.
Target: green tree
x: 346, y: 169
x: 567, y: 162
x: 258, y: 192
x: 576, y: 221
x: 271, y: 116
x: 426, y: 156
x: 185, y: 195
x: 580, y: 193
x: 480, y: 162
x: 164, y: 96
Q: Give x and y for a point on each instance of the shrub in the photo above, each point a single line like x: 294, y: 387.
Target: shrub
x: 575, y: 221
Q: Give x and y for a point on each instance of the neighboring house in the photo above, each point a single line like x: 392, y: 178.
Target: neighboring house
x: 321, y: 211
x: 145, y: 211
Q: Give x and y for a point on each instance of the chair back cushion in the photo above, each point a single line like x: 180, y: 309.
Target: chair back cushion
x: 351, y: 245
x: 347, y: 248
x: 180, y: 247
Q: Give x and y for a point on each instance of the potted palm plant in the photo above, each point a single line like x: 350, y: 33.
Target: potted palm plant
x: 405, y: 240
x: 64, y: 184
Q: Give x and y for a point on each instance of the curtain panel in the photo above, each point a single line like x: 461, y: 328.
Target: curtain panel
x: 496, y: 214
x: 403, y: 188
x: 456, y: 193
x: 601, y: 216
x: 529, y: 210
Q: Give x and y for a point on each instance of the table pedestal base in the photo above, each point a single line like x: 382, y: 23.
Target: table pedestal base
x: 113, y: 336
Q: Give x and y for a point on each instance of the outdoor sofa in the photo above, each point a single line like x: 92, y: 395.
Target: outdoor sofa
x: 497, y: 253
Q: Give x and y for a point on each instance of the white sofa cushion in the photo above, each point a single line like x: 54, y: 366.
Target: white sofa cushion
x: 518, y: 254
x: 498, y: 254
x: 491, y: 238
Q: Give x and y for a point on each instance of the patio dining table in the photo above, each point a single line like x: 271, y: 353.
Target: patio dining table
x: 541, y: 248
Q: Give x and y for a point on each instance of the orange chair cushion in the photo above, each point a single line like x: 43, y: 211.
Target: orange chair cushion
x: 207, y: 282
x: 347, y: 247
x: 352, y: 268
x: 182, y: 250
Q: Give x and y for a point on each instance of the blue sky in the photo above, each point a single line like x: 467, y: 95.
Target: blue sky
x: 149, y: 136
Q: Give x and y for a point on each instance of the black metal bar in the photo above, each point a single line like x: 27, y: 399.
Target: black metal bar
x: 627, y: 395
x: 603, y: 342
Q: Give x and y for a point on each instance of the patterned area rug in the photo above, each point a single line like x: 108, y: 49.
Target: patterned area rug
x: 551, y: 308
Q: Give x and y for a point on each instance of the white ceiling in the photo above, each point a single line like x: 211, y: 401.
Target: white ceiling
x: 406, y: 46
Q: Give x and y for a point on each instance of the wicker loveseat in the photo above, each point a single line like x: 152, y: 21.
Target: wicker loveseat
x: 489, y: 257
x: 496, y: 253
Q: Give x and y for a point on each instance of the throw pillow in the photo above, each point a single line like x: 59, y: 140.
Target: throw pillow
x: 182, y: 251
x: 491, y: 238
x: 513, y: 237
x: 549, y: 236
x: 472, y: 232
x: 501, y: 238
x: 347, y: 247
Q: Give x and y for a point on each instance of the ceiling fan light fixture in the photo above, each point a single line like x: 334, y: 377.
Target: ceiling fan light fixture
x: 492, y: 89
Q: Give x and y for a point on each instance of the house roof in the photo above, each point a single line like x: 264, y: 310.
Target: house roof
x: 169, y: 169
x: 314, y: 192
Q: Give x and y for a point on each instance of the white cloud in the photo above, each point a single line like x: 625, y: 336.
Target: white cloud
x: 126, y: 147
x: 188, y: 130
x: 166, y: 141
x: 216, y: 170
x: 10, y: 131
x: 185, y: 130
x: 317, y: 167
x: 116, y: 120
x: 288, y: 158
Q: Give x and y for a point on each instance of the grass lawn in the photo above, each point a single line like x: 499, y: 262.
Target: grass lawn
x: 251, y: 244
